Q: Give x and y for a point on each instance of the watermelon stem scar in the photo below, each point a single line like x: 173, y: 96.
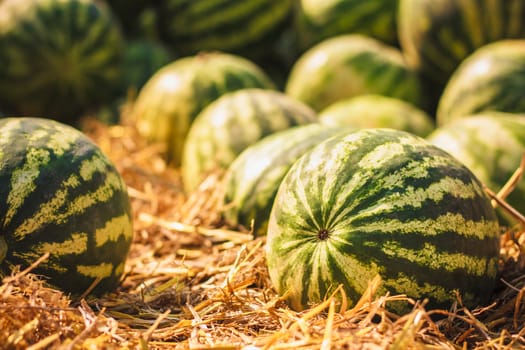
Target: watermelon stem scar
x: 323, y: 234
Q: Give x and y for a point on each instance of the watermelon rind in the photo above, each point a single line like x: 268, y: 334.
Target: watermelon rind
x: 61, y: 195
x: 349, y: 65
x: 490, y: 79
x: 171, y: 99
x: 382, y: 202
x: 60, y: 58
x: 252, y: 179
x: 232, y: 123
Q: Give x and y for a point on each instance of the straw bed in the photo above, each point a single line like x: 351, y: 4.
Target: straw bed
x: 191, y: 281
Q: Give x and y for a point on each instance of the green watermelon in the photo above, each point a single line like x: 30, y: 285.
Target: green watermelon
x: 350, y: 65
x: 382, y: 202
x: 247, y: 28
x: 436, y: 35
x: 59, y: 58
x: 491, y: 145
x: 252, y: 179
x: 233, y: 122
x: 376, y: 111
x: 317, y: 20
x: 142, y: 59
x: 61, y: 195
x: 176, y: 93
x: 490, y: 79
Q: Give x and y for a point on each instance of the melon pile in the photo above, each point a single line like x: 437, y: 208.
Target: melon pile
x: 358, y: 136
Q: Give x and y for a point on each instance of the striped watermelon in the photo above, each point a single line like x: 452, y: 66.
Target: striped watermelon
x: 376, y: 111
x: 382, y: 202
x: 233, y: 122
x: 349, y: 65
x: 59, y: 58
x: 490, y: 79
x: 436, y: 36
x: 491, y: 145
x: 142, y: 59
x: 242, y: 27
x: 252, y: 179
x: 316, y: 20
x: 175, y: 94
x: 61, y: 195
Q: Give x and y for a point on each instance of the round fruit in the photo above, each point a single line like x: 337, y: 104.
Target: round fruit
x: 246, y: 28
x: 61, y: 195
x: 349, y: 65
x: 252, y: 179
x: 174, y: 95
x: 142, y: 59
x: 233, y: 122
x: 491, y: 79
x: 317, y: 20
x: 376, y: 111
x: 382, y: 202
x: 59, y: 58
x: 436, y: 35
x: 491, y: 145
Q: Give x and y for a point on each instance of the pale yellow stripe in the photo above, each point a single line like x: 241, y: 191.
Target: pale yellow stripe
x: 23, y: 181
x: 416, y: 197
x: 113, y: 230
x: 77, y: 244
x: 102, y: 270
x: 382, y: 154
x: 449, y: 222
x: 435, y: 259
x: 408, y: 285
x: 49, y: 213
x: 62, y: 140
x: 91, y: 166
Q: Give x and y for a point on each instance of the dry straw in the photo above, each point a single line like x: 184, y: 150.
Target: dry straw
x: 193, y: 282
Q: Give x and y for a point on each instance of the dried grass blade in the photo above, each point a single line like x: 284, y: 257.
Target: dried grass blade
x: 327, y: 338
x: 44, y: 343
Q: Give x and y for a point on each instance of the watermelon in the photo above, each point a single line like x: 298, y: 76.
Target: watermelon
x: 376, y: 111
x: 382, y: 202
x: 436, y: 35
x: 177, y: 92
x: 61, y: 195
x: 246, y: 28
x: 142, y: 59
x: 491, y: 145
x: 490, y: 79
x: 350, y: 65
x: 317, y: 20
x: 252, y: 179
x: 233, y: 122
x: 63, y: 57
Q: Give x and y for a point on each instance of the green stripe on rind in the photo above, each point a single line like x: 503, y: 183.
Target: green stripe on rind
x: 63, y: 57
x: 73, y: 204
x: 317, y: 20
x: 499, y: 140
x: 490, y: 79
x: 172, y: 98
x: 252, y: 179
x: 361, y: 203
x: 193, y: 26
x: 349, y: 65
x: 232, y: 123
x: 436, y: 38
